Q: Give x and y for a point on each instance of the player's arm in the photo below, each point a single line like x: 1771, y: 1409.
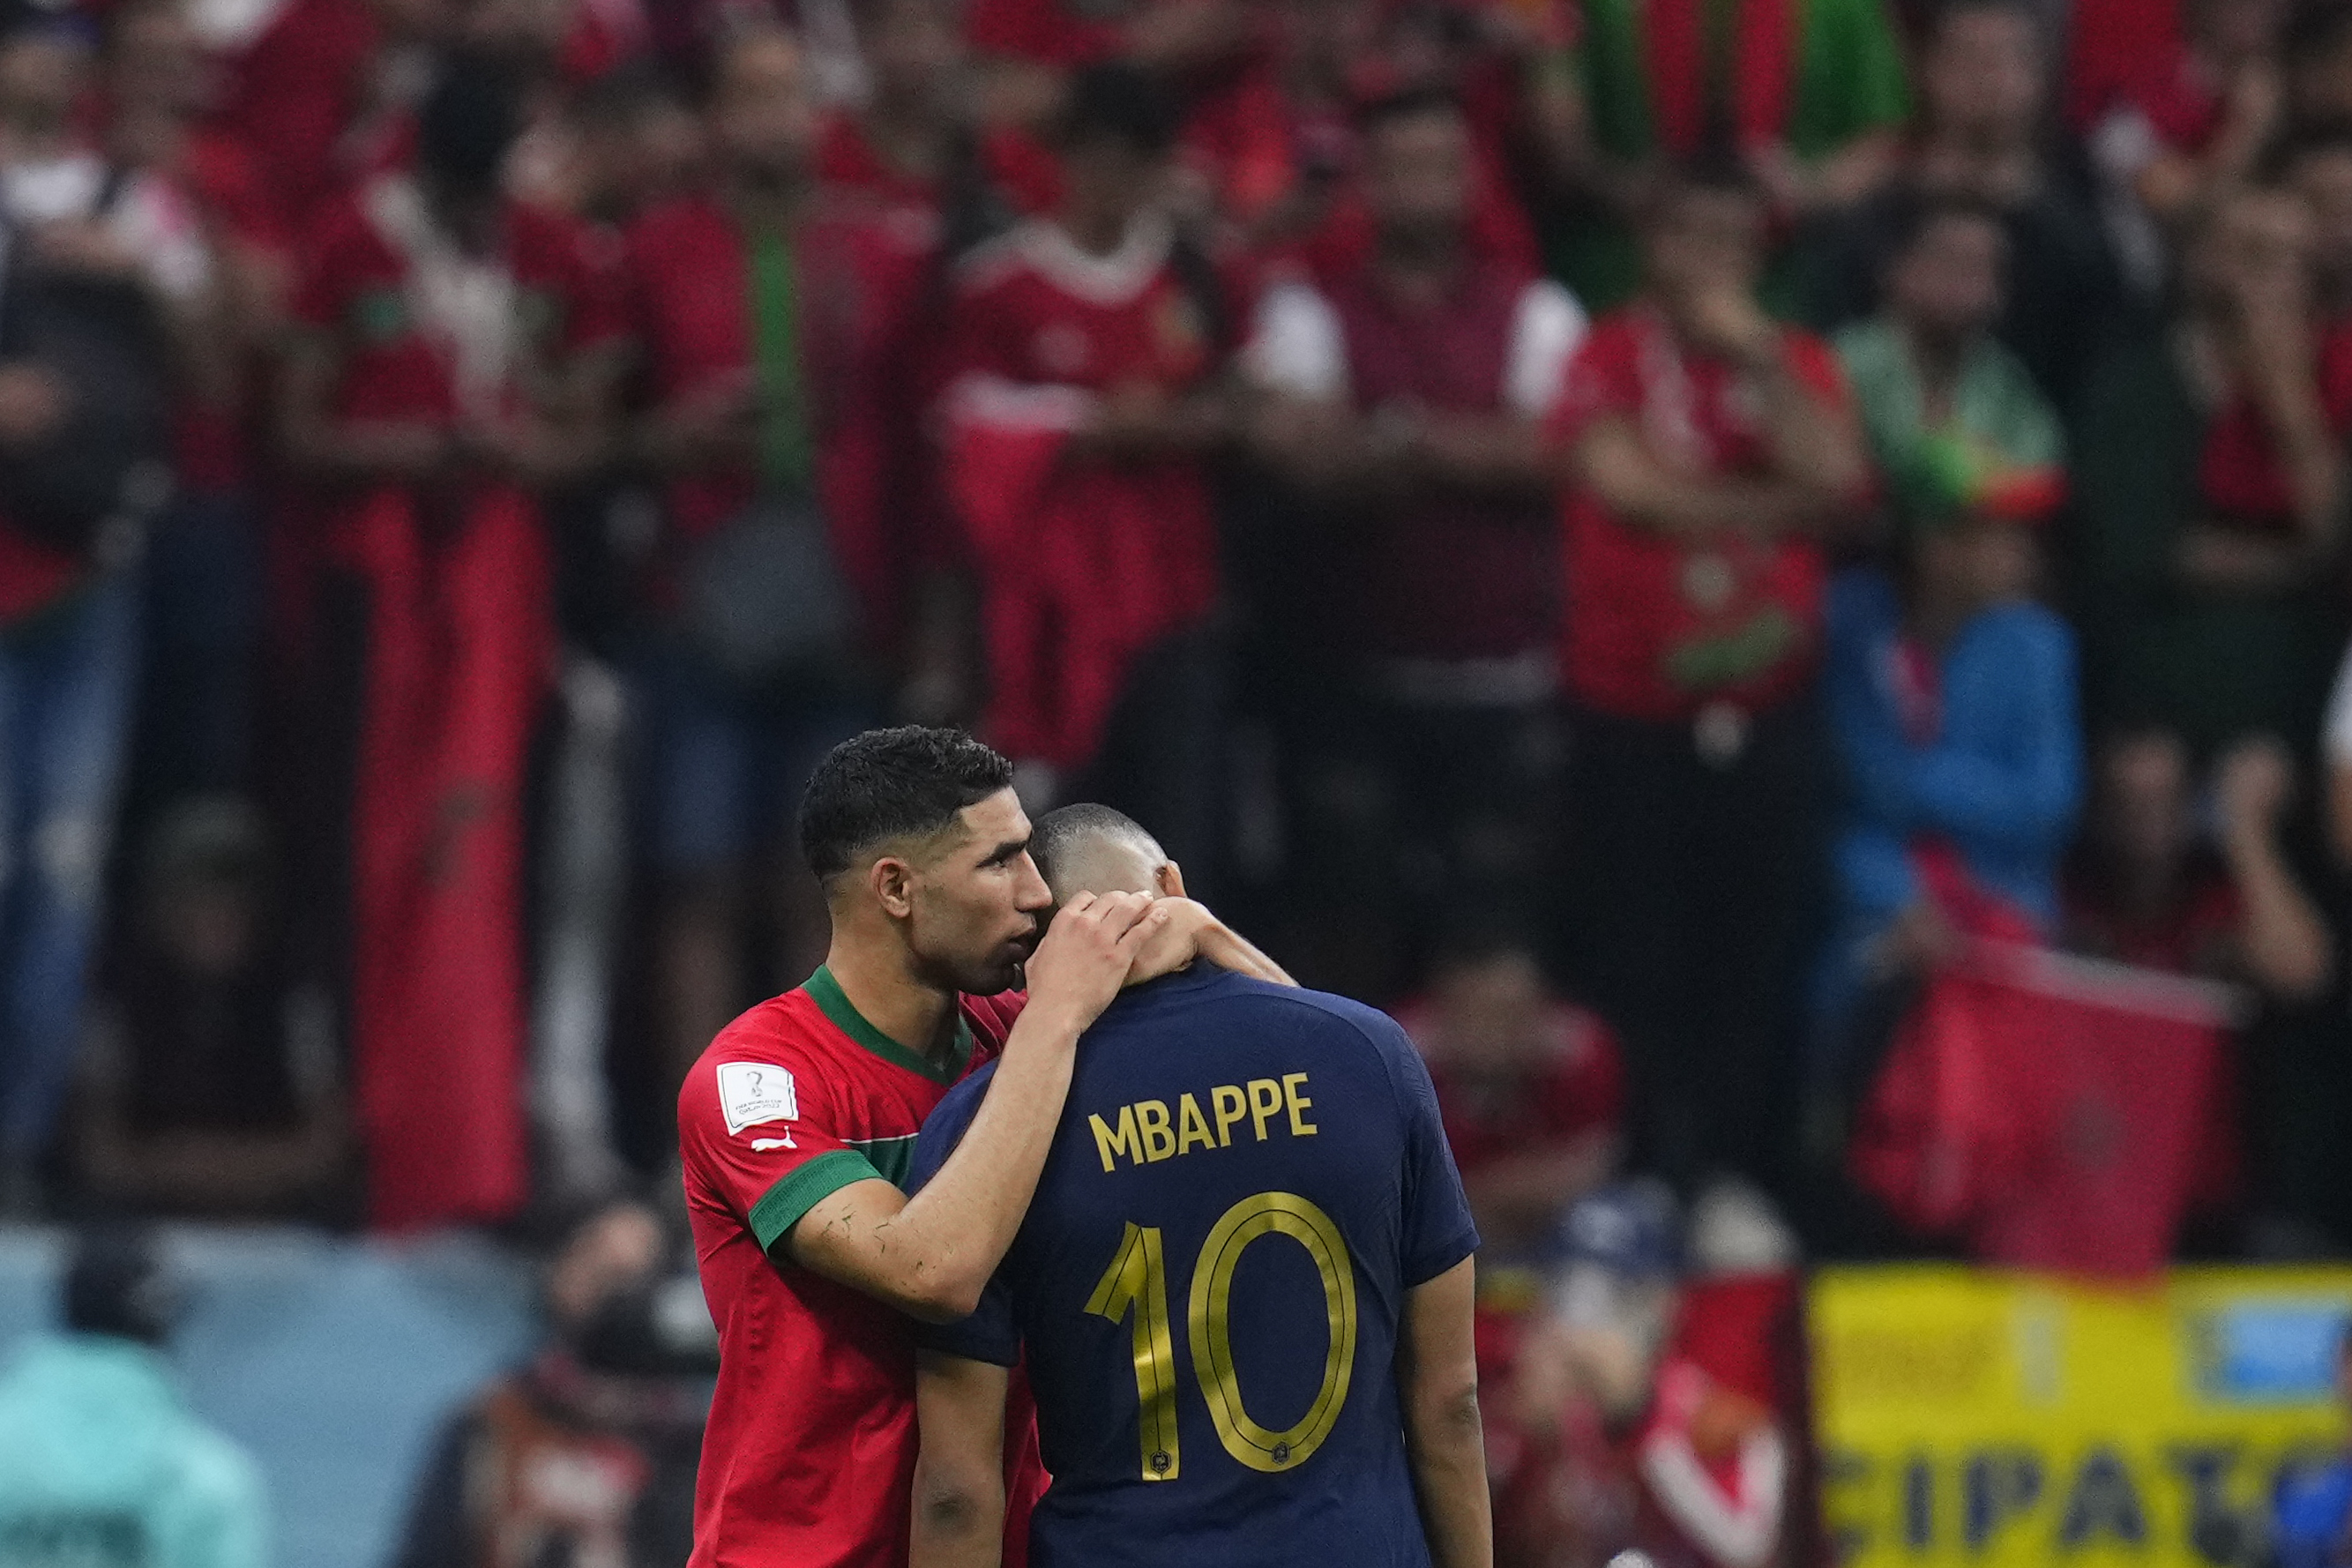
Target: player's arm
x: 1192, y: 932
x: 932, y: 1255
x: 1437, y: 1386
x: 960, y: 1473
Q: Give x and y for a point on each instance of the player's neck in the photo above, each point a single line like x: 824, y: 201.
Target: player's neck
x: 888, y: 995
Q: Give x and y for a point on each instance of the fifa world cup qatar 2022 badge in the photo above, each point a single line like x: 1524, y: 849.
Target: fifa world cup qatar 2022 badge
x: 751, y: 1094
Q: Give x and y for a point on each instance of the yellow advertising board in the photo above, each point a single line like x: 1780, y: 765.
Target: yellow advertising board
x: 1967, y: 1416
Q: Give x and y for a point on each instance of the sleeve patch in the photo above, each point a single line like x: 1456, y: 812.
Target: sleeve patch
x: 751, y: 1093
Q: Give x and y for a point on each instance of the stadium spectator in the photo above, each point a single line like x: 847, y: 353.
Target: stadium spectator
x: 2190, y: 126
x: 1811, y: 102
x: 914, y: 146
x: 587, y: 1452
x: 1030, y: 50
x: 1530, y: 1087
x: 101, y: 1461
x: 210, y: 1085
x: 1981, y: 136
x: 199, y: 711
x: 1951, y: 695
x: 1408, y: 396
x: 1085, y: 401
x: 769, y: 325
x: 1708, y: 451
x: 2149, y: 886
x: 2209, y: 477
x: 97, y: 264
x: 454, y: 350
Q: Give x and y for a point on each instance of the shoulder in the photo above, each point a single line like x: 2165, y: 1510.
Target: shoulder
x: 216, y: 1474
x: 1867, y: 348
x: 1339, y: 1018
x: 786, y: 1032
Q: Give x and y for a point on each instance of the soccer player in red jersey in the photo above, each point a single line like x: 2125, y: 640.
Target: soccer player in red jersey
x: 799, y: 1122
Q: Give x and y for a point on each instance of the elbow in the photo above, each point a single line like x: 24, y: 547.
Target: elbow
x: 939, y: 1295
x: 1446, y: 1410
x: 951, y: 1506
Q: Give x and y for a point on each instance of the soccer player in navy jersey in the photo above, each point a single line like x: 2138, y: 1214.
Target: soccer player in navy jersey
x: 1242, y: 1293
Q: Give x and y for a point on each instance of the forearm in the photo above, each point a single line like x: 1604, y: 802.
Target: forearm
x: 1448, y: 1453
x: 1229, y: 950
x: 938, y: 1252
x: 1487, y: 455
x: 2282, y: 942
x: 1813, y: 445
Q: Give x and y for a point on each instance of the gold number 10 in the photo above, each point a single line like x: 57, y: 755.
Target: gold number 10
x: 1136, y: 1282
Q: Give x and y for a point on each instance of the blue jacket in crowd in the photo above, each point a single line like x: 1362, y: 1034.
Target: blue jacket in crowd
x: 2000, y: 783
x: 102, y: 1464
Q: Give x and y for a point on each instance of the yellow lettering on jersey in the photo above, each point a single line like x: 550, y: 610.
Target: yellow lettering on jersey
x: 1146, y: 1133
x: 1110, y: 1146
x: 1299, y: 1126
x: 1231, y: 1107
x: 1265, y: 1098
x: 1191, y: 1127
x: 1159, y: 1141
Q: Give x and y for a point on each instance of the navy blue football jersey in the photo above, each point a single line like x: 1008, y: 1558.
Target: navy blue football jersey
x: 1210, y: 1284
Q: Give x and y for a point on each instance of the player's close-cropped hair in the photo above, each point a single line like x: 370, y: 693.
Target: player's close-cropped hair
x: 893, y: 784
x: 1071, y: 828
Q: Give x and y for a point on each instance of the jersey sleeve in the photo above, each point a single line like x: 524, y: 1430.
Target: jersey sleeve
x: 1438, y: 1230
x: 989, y: 1334
x: 758, y: 1126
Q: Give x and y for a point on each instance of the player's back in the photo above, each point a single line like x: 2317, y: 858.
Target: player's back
x: 1211, y: 1280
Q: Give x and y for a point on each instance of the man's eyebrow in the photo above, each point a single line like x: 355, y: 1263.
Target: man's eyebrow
x: 1006, y: 852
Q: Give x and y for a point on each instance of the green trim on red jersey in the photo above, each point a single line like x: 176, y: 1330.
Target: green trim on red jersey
x: 801, y: 1189
x: 894, y: 1157
x: 827, y: 992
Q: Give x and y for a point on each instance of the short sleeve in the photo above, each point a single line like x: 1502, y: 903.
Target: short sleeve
x: 1546, y: 331
x: 1438, y: 1230
x: 990, y: 1334
x: 1296, y: 346
x: 760, y: 1132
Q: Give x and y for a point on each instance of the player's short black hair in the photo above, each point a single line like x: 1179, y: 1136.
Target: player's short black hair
x: 1065, y: 828
x: 468, y: 121
x: 1114, y: 101
x: 892, y: 783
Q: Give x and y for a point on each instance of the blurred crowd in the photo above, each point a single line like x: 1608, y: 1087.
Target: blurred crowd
x: 1664, y: 540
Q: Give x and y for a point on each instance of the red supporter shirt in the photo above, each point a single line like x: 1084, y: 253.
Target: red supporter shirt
x: 1036, y: 320
x: 358, y: 286
x: 1579, y: 1087
x: 862, y: 280
x: 1015, y: 168
x: 2239, y: 474
x: 809, y: 1457
x: 1657, y: 628
x: 1052, y: 32
x: 296, y: 91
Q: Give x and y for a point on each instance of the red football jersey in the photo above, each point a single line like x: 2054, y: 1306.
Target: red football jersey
x: 861, y: 296
x: 360, y: 286
x: 1656, y: 628
x: 809, y: 1457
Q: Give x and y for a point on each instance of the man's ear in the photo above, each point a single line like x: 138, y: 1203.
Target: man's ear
x: 1168, y: 881
x: 892, y: 881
